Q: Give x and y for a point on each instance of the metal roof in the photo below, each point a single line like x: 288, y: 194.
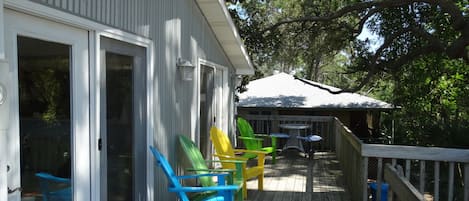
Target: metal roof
x: 284, y: 91
x: 222, y: 25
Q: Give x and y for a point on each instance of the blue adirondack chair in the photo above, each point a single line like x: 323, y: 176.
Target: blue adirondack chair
x: 224, y: 192
x: 50, y: 192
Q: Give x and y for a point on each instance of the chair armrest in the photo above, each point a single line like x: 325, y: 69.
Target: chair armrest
x: 261, y: 135
x: 251, y: 151
x: 239, y: 162
x: 202, y: 189
x: 195, y: 176
x: 210, y: 170
x: 50, y: 177
x: 280, y: 135
x: 250, y: 138
x: 231, y: 159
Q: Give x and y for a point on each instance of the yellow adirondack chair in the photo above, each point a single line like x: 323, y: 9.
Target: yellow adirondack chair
x: 225, y: 151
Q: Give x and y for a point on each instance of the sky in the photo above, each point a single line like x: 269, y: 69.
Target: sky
x: 376, y: 41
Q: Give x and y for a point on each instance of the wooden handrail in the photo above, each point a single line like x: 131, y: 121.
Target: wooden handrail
x: 404, y: 190
x: 416, y: 153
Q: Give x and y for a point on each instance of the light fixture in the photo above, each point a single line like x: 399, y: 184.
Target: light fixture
x: 237, y: 79
x: 4, y: 100
x: 3, y: 94
x: 4, y: 73
x: 186, y: 69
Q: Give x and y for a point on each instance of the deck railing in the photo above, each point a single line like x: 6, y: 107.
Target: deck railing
x: 401, y: 186
x: 423, y: 167
x: 318, y: 125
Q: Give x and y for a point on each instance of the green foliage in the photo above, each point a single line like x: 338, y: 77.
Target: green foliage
x: 303, y: 48
x: 433, y: 94
x: 46, y: 89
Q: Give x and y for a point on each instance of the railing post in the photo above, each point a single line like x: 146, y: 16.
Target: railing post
x: 450, y: 181
x: 407, y: 169
x: 379, y: 179
x: 436, y: 186
x: 466, y: 181
x: 274, y: 123
x: 422, y: 176
x: 365, y: 178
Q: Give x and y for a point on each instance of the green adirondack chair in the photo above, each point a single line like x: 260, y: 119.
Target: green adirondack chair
x: 254, y: 141
x: 199, y: 165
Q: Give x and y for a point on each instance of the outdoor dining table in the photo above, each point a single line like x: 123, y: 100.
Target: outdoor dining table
x: 294, y: 131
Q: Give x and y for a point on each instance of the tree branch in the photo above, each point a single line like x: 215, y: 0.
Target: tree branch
x: 363, y: 82
x: 361, y: 6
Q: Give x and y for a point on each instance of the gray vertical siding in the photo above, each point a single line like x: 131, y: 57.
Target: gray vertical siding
x: 178, y: 29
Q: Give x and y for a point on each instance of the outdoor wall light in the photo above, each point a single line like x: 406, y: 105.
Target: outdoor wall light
x: 4, y: 102
x: 3, y: 94
x: 186, y: 69
x: 238, y: 79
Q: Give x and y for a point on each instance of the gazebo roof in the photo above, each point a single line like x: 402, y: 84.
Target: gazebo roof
x: 284, y: 91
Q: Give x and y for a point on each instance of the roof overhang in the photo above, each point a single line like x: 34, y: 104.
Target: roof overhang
x: 220, y: 21
x: 320, y: 108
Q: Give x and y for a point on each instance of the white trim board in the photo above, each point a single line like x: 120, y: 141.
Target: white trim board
x: 52, y: 14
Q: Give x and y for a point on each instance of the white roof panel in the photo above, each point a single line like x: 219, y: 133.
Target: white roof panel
x: 222, y: 25
x: 283, y: 90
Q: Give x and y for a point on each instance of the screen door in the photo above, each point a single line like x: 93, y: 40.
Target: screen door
x: 123, y: 121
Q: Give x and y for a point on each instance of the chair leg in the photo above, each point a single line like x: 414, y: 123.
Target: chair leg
x: 239, y: 195
x: 260, y: 182
x: 274, y: 153
x: 274, y: 147
x: 245, y: 189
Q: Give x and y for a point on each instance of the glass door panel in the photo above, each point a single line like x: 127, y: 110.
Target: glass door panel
x: 207, y: 109
x: 120, y: 170
x: 123, y: 162
x: 48, y: 139
x: 44, y: 115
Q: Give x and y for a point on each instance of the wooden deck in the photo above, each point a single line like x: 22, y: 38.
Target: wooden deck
x: 296, y: 178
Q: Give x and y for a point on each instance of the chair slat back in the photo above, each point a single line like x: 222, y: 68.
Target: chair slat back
x: 196, y: 159
x: 222, y: 146
x: 245, y: 130
x: 169, y: 172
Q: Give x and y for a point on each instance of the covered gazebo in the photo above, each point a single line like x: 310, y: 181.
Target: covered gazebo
x: 283, y: 94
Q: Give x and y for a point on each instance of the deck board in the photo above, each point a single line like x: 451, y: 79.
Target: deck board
x: 296, y: 178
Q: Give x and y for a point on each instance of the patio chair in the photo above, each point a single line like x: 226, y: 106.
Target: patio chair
x: 224, y: 192
x: 54, y: 188
x: 310, y: 139
x: 225, y: 151
x: 254, y: 141
x: 199, y: 166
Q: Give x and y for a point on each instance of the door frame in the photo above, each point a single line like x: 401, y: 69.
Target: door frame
x: 96, y: 30
x: 79, y: 116
x: 95, y: 87
x: 221, y: 93
x: 123, y: 49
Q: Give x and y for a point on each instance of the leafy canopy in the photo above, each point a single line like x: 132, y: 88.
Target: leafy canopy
x: 416, y: 55
x: 292, y: 34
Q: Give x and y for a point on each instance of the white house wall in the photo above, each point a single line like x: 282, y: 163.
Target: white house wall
x: 178, y: 29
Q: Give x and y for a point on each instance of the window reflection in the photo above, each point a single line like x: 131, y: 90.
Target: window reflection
x: 119, y: 95
x: 44, y: 107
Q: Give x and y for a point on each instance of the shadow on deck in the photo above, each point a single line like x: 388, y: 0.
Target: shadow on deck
x: 296, y: 178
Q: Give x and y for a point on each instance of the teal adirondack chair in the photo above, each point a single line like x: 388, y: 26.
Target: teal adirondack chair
x: 199, y: 166
x: 224, y: 192
x: 50, y: 192
x: 254, y: 141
